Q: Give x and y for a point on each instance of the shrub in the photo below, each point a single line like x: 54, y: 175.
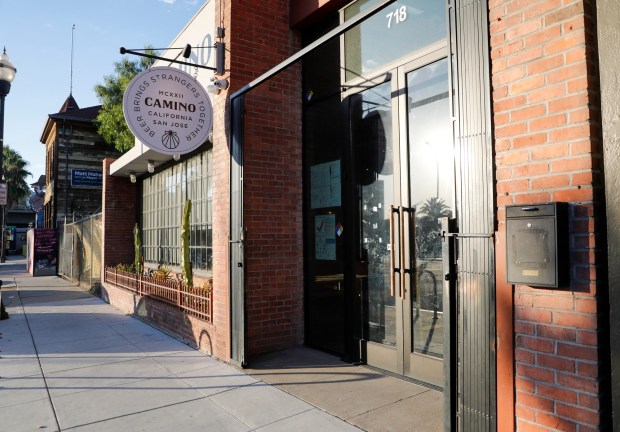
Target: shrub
x: 207, y: 286
x: 130, y: 268
x: 163, y: 273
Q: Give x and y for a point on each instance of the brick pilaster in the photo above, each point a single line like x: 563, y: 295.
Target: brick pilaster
x: 262, y: 38
x: 119, y: 217
x: 547, y: 138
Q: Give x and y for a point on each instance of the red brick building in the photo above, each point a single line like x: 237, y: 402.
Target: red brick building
x: 358, y: 199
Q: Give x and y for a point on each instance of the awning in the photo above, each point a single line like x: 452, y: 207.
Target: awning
x: 136, y: 160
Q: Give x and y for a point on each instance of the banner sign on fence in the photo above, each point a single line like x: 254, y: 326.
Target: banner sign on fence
x: 44, y: 252
x: 84, y: 177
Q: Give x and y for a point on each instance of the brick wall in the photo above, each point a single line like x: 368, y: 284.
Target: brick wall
x: 261, y: 38
x: 221, y: 203
x: 193, y: 331
x: 257, y: 38
x: 119, y: 217
x: 547, y: 142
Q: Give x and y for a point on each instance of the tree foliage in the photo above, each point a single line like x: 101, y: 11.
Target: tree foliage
x: 15, y: 174
x: 110, y: 122
x: 435, y: 208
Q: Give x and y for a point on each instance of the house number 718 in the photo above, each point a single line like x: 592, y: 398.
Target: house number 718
x: 399, y: 15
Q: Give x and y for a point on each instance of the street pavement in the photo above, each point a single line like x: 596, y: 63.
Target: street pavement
x: 69, y: 361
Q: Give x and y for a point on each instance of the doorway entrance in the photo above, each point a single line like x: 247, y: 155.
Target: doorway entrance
x: 387, y: 153
x: 371, y: 271
x: 404, y: 182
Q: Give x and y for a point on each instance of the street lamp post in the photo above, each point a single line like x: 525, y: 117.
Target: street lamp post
x: 7, y: 75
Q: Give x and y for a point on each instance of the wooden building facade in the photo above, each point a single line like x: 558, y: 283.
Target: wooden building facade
x: 74, y: 151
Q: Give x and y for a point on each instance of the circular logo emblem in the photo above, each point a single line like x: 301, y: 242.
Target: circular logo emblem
x: 168, y: 110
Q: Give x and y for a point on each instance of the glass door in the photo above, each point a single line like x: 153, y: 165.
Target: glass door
x: 374, y: 137
x: 402, y: 147
x: 429, y: 189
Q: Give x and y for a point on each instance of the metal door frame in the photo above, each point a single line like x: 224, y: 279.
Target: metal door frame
x: 386, y: 357
x: 432, y: 54
x: 397, y: 359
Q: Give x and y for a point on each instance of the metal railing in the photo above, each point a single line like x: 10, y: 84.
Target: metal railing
x: 195, y: 301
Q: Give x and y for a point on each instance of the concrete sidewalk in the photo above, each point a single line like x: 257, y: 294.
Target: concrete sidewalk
x: 70, y: 361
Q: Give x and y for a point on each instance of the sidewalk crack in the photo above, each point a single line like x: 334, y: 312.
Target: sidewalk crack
x: 34, y: 345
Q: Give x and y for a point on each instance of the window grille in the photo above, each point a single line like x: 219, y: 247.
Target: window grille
x: 163, y: 198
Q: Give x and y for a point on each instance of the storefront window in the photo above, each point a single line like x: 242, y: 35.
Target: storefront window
x: 164, y: 195
x: 401, y: 28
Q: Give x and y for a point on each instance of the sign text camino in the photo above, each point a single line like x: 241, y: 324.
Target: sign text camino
x: 168, y: 110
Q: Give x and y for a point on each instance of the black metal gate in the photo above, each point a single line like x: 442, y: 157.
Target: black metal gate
x: 473, y: 389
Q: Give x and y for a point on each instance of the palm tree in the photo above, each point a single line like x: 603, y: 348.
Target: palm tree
x: 428, y: 243
x: 435, y: 208
x: 15, y: 173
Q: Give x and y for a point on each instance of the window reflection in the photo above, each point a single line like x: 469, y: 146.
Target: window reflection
x: 371, y: 120
x: 431, y: 177
x: 399, y: 29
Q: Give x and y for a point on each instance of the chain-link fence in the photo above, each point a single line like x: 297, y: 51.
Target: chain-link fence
x: 80, y: 251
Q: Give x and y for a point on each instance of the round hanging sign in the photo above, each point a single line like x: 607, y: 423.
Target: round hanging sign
x: 168, y: 110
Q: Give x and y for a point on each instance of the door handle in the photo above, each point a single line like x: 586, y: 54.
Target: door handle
x: 412, y: 246
x: 407, y: 220
x: 402, y: 270
x: 401, y: 252
x: 392, y: 269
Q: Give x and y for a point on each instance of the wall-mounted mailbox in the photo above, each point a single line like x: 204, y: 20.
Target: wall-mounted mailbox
x: 537, y: 245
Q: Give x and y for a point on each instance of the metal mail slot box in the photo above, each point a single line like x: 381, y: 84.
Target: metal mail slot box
x: 537, y: 245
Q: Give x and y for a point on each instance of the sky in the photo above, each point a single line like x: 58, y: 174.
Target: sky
x: 37, y: 35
